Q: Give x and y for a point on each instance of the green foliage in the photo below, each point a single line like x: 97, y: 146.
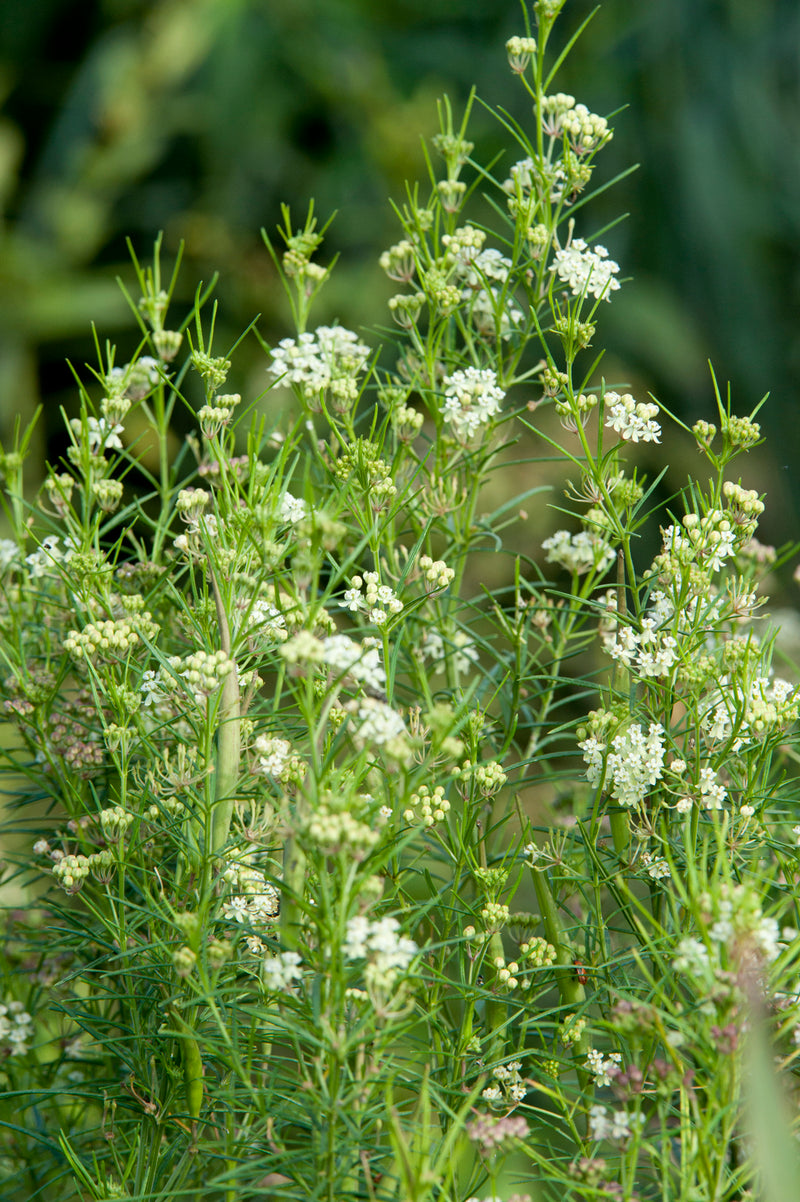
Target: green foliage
x: 349, y: 875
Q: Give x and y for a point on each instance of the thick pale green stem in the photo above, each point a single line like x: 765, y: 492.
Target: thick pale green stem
x: 570, y: 988
x: 229, y: 746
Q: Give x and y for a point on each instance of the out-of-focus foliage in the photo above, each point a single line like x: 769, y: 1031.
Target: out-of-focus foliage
x: 198, y: 117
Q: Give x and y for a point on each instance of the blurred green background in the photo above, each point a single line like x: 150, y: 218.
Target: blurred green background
x: 199, y: 117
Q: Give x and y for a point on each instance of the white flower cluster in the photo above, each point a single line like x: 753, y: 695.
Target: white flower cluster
x: 315, y: 361
x: 291, y: 509
x: 651, y: 651
x: 585, y: 551
x: 599, y: 1066
x: 562, y: 117
x: 361, y: 661
x: 734, y: 928
x: 524, y: 182
x: 133, y: 380
x: 585, y: 270
x: 485, y: 276
x: 709, y: 540
x: 472, y: 399
x: 369, y: 596
x: 42, y: 561
x: 388, y: 953
x: 100, y: 434
x: 266, y: 621
x: 633, y: 420
x: 281, y: 972
x: 510, y: 1089
x: 459, y: 648
x: 378, y: 723
x: 617, y: 1127
x: 634, y: 764
x: 16, y: 1028
x: 756, y: 708
x: 256, y: 902
x: 272, y: 755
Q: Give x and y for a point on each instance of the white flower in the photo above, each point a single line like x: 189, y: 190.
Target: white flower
x: 477, y: 269
x: 601, y: 1127
x: 472, y: 398
x: 101, y: 436
x: 388, y: 953
x: 585, y: 270
x: 264, y: 619
x: 633, y: 420
x: 42, y: 562
x: 600, y: 1066
x: 460, y: 646
x: 712, y: 793
x: 292, y: 509
x: 691, y: 957
x: 358, y: 660
x: 272, y: 755
x: 9, y: 551
x: 314, y: 361
x: 280, y: 972
x: 620, y: 1128
x: 378, y: 723
x: 152, y: 685
x: 581, y: 552
x: 355, y: 944
x: 634, y: 765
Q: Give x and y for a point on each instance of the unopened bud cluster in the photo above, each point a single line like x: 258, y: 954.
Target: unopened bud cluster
x: 213, y: 370
x: 398, y: 262
x: 520, y: 51
x: 361, y: 463
x: 435, y: 572
x: 108, y: 494
x: 742, y: 432
x: 332, y: 831
x: 204, y: 671
x: 489, y: 776
x: 72, y: 871
x: 427, y: 807
x: 115, y: 821
x: 218, y: 414
x: 109, y: 639
x: 538, y: 953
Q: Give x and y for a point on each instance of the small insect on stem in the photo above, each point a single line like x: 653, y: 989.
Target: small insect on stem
x: 580, y: 972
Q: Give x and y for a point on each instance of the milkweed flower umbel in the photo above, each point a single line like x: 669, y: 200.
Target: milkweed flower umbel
x: 471, y: 399
x: 586, y: 270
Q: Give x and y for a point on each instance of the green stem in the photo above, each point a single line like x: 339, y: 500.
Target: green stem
x: 229, y: 745
x: 570, y: 988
